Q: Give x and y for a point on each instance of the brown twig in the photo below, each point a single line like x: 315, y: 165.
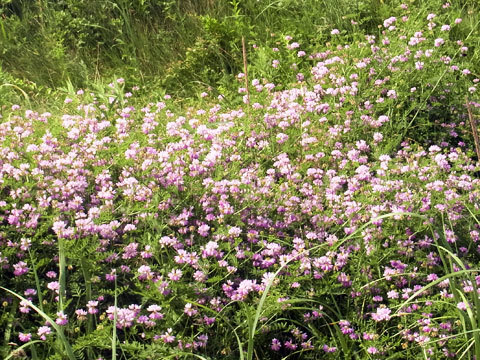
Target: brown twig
x: 474, y: 130
x: 244, y: 52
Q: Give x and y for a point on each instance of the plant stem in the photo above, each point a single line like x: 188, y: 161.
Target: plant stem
x: 37, y: 282
x: 62, y: 275
x: 114, y: 335
x: 474, y: 129
x: 244, y: 53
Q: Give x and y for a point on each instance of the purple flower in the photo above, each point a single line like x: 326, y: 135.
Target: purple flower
x: 276, y: 345
x: 289, y: 344
x: 329, y: 349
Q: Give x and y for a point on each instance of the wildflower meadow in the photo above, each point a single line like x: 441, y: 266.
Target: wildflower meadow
x: 322, y: 202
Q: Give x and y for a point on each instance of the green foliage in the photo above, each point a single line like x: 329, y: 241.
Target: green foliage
x: 169, y: 44
x: 187, y: 46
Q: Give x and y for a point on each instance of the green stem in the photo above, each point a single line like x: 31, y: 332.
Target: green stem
x: 37, y: 282
x: 88, y: 291
x: 114, y: 335
x: 88, y: 296
x: 8, y: 329
x: 62, y: 274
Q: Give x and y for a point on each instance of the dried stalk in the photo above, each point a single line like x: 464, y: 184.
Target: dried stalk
x: 244, y: 52
x: 474, y: 130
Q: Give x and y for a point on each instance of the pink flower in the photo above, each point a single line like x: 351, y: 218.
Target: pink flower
x: 383, y: 119
x: 81, y: 314
x: 25, y: 306
x: 92, y: 307
x: 155, y: 312
x: 293, y: 45
x: 168, y: 337
x: 203, y: 230
x: 234, y: 231
x: 175, y: 274
x: 419, y: 65
x: 377, y: 137
x: 24, y: 337
x: 125, y: 317
x: 20, y: 268
x: 290, y: 345
x: 189, y: 310
x: 382, y: 313
x: 145, y: 273
x: 439, y: 42
x: 389, y: 22
x: 42, y: 331
x: 61, y: 318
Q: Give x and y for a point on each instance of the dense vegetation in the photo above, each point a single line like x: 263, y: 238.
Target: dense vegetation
x: 158, y: 201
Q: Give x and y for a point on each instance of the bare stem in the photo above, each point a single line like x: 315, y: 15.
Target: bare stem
x: 474, y: 130
x: 244, y: 52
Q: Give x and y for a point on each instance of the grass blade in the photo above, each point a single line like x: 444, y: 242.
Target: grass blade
x: 58, y: 329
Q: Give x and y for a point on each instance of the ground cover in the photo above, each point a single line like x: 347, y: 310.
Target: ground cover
x: 327, y: 209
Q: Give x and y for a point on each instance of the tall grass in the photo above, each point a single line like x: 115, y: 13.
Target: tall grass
x: 173, y: 44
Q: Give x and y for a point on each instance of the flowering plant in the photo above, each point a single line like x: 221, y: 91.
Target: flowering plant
x: 335, y: 213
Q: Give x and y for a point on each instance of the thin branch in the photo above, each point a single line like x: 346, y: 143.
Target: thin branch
x: 244, y: 52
